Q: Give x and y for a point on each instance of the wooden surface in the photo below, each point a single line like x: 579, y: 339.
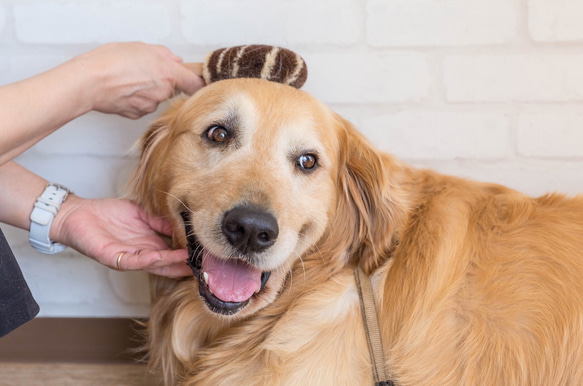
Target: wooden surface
x: 73, y: 340
x: 78, y: 374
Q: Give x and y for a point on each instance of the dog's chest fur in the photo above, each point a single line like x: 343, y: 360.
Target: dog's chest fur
x: 318, y: 331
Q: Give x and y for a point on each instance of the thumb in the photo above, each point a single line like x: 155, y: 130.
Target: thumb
x: 194, y: 67
x: 189, y: 78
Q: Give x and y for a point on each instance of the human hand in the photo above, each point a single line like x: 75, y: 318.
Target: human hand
x: 131, y: 79
x: 104, y: 228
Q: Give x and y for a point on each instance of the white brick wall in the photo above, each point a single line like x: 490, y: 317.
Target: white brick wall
x: 551, y: 132
x: 441, y: 22
x: 4, y: 69
x: 281, y: 22
x: 441, y: 135
x: 485, y: 89
x: 90, y: 22
x: 369, y: 77
x: 2, y: 18
x: 529, y: 77
x: 555, y: 20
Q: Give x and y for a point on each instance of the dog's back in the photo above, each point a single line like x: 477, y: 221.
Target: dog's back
x: 486, y: 287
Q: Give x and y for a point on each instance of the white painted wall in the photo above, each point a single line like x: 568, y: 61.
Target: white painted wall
x: 485, y: 89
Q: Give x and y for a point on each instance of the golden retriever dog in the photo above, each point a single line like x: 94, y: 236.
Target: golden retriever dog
x: 277, y: 199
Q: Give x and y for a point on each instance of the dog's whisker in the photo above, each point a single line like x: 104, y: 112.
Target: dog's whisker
x: 178, y: 199
x: 316, y: 251
x: 184, y: 240
x: 291, y: 282
x: 292, y: 272
x: 303, y: 267
x: 199, y: 249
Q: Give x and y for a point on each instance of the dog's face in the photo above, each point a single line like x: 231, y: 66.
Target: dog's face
x: 248, y: 170
x: 253, y: 175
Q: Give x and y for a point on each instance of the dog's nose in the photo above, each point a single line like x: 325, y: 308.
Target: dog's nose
x: 250, y: 229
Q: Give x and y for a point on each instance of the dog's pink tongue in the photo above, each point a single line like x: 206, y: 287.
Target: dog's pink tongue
x: 230, y: 280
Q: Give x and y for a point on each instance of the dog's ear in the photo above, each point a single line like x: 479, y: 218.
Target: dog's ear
x: 366, y: 212
x: 148, y: 180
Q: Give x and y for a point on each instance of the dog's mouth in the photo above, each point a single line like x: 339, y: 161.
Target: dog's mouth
x: 226, y: 285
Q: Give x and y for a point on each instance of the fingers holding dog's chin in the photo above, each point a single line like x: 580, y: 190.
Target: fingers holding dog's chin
x: 170, y: 263
x: 173, y: 271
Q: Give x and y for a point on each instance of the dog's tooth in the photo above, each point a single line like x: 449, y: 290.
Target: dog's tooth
x: 205, y: 276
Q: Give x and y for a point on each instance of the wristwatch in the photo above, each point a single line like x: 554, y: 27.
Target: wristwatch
x: 41, y: 218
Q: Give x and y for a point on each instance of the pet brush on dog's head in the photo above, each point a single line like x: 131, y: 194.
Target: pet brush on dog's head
x: 255, y: 61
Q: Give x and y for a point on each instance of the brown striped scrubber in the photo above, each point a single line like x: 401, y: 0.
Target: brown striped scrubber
x: 255, y: 61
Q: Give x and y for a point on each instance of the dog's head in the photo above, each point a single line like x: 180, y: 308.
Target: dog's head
x: 254, y: 175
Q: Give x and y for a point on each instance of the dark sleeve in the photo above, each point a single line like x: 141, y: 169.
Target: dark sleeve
x: 17, y: 306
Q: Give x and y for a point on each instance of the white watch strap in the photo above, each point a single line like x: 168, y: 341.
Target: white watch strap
x: 41, y: 218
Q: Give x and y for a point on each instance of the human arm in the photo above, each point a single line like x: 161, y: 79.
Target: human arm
x: 128, y: 79
x: 100, y: 229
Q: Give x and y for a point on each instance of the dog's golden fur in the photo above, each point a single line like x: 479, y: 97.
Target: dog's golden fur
x: 475, y: 283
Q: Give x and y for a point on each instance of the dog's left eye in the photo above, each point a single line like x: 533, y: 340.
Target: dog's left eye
x: 218, y: 134
x: 307, y: 162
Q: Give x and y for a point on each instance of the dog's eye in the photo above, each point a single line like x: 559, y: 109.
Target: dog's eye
x: 218, y: 134
x: 307, y: 162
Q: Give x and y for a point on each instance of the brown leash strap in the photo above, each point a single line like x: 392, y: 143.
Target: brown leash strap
x: 371, y: 325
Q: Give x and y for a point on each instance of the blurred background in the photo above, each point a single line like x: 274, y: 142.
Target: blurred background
x: 485, y: 89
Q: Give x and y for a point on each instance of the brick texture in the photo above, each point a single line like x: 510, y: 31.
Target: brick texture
x: 91, y: 22
x: 534, y: 176
x: 555, y: 20
x: 490, y: 90
x: 440, y: 135
x: 514, y: 77
x: 4, y: 70
x: 369, y: 78
x: 441, y: 22
x: 95, y: 134
x: 551, y: 132
x: 2, y: 19
x: 275, y: 22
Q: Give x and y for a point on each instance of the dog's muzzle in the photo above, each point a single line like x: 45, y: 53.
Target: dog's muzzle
x: 227, y: 285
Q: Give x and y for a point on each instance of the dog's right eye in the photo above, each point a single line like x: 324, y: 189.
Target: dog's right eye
x: 218, y: 134
x: 307, y: 162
